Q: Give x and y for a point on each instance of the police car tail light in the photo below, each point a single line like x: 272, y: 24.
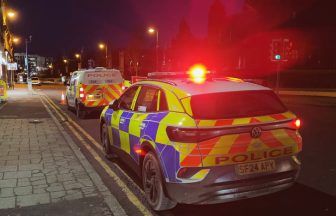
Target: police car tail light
x: 190, y: 135
x: 182, y: 134
x: 294, y: 124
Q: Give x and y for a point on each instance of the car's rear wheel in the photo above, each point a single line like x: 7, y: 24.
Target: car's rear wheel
x: 105, y: 140
x: 153, y: 184
x: 80, y: 113
x: 109, y: 154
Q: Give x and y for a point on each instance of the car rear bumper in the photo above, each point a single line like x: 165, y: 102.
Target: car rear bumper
x: 222, y: 184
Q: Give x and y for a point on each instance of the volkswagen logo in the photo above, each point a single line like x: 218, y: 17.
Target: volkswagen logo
x: 256, y: 132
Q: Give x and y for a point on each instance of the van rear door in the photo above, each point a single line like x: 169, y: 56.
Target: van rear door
x: 101, y: 87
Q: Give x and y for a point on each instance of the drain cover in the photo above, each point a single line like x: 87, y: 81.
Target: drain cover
x: 35, y: 121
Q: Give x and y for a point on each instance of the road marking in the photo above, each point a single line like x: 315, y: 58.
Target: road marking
x: 110, y: 200
x: 129, y: 194
x: 1, y: 107
x: 92, y: 140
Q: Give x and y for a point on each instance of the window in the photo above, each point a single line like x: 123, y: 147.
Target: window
x: 125, y: 101
x: 147, y: 100
x: 163, y: 102
x: 236, y: 104
x: 73, y: 81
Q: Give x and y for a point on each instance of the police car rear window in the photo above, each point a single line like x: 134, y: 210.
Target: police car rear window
x: 236, y: 104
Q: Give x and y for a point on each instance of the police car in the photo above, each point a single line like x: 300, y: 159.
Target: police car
x: 199, y: 140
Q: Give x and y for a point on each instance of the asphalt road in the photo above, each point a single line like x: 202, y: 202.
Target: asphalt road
x: 314, y: 194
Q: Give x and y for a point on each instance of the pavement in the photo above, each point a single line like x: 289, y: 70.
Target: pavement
x: 41, y: 168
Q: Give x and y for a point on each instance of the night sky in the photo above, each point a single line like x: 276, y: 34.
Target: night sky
x: 62, y: 27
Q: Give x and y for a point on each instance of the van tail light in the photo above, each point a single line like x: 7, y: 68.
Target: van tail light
x: 81, y: 93
x: 296, y: 124
x: 191, y: 135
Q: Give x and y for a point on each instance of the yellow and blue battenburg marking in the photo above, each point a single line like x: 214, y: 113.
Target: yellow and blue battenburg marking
x: 136, y: 128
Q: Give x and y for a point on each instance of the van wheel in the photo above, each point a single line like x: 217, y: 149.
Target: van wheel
x: 153, y: 184
x: 80, y: 113
x: 67, y: 103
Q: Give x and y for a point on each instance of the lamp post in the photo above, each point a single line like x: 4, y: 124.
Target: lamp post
x: 27, y: 64
x: 65, y: 61
x: 103, y: 46
x: 155, y: 31
x: 16, y: 41
x: 79, y: 59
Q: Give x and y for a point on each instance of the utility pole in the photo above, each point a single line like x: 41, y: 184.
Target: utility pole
x: 157, y: 50
x: 280, y: 49
x: 156, y: 31
x: 29, y: 82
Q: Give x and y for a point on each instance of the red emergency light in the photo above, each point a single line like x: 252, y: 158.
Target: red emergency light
x: 198, y: 73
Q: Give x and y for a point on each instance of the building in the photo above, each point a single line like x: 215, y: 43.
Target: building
x: 36, y: 64
x: 6, y: 45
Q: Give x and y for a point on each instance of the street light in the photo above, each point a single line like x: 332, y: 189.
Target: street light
x: 16, y: 40
x: 103, y: 46
x: 79, y: 57
x: 153, y: 31
x: 11, y: 14
x: 66, y: 66
x: 28, y: 41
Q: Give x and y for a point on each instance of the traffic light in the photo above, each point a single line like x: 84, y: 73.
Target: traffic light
x: 276, y: 50
x: 281, y: 49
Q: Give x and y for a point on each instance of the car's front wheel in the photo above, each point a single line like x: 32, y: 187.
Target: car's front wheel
x: 153, y: 184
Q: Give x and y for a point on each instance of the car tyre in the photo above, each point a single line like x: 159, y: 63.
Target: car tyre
x: 80, y: 113
x: 67, y: 103
x: 153, y: 184
x: 106, y: 143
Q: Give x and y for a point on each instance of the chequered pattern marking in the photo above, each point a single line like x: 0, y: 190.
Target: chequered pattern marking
x: 108, y: 92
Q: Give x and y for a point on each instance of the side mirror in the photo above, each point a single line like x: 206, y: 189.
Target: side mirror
x: 114, y: 105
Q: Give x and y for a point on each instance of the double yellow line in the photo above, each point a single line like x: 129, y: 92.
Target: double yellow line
x: 74, y: 128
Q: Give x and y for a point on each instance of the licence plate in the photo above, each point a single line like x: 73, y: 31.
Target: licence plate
x: 257, y: 167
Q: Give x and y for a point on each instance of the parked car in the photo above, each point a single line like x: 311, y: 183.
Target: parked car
x: 36, y: 81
